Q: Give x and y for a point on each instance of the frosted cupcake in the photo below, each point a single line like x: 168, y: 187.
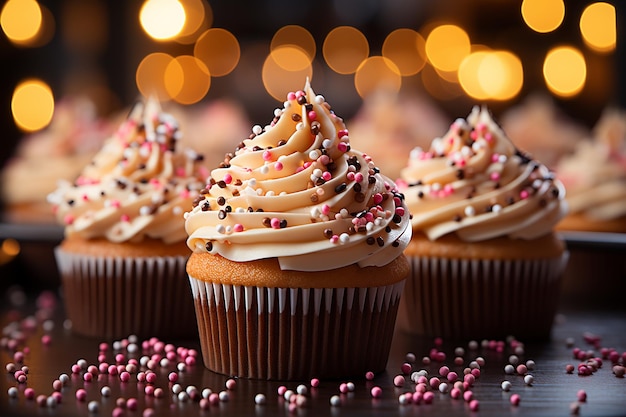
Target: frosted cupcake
x: 595, y: 178
x: 485, y: 260
x: 122, y: 259
x: 297, y: 264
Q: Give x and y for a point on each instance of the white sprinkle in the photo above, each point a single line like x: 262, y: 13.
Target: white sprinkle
x: 67, y: 324
x: 105, y: 391
x: 220, y: 229
x: 64, y: 378
x: 82, y: 363
x: 13, y: 392
x: 48, y: 325
x: 319, y: 99
x: 287, y: 395
x: 93, y: 406
x: 519, y: 350
x: 223, y: 395
x: 474, y: 365
x: 529, y: 379
x: 530, y: 364
x: 286, y: 104
x: 496, y: 208
x: 265, y: 169
x: 206, y: 392
x: 177, y: 388
x: 143, y: 361
x: 314, y: 154
x: 117, y: 345
x: 350, y: 386
x: 443, y: 387
x: 183, y: 396
x: 506, y: 385
x: 509, y: 369
x: 278, y: 112
x: 410, y: 357
x: 403, y: 399
x: 327, y: 143
x: 132, y: 348
x: 190, y: 389
x: 473, y: 345
x: 513, y: 360
x: 259, y: 399
x: 301, y: 389
x: 344, y: 238
x: 502, y: 159
x: 51, y: 401
x: 257, y: 129
x: 459, y: 351
x: 335, y: 401
x: 469, y: 211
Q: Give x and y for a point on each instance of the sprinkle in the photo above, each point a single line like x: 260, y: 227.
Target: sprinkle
x: 259, y: 399
x: 506, y: 385
x: 369, y: 375
x: 529, y: 379
x: 521, y: 369
x: 231, y: 384
x: 469, y: 211
x: 581, y: 395
x: 515, y: 399
x: 399, y: 381
x: 509, y: 369
x: 335, y: 400
x: 376, y: 392
x: 81, y: 394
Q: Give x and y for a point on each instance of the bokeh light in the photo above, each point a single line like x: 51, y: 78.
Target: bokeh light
x: 565, y: 71
x: 32, y: 105
x: 278, y: 80
x: 21, y: 20
x: 150, y: 76
x: 469, y: 71
x: 438, y: 87
x: 344, y: 49
x: 295, y: 36
x: 500, y: 75
x: 198, y: 17
x: 543, y: 15
x: 219, y: 50
x: 446, y: 46
x: 406, y: 48
x: 187, y: 79
x: 162, y: 19
x: 598, y: 27
x: 377, y: 72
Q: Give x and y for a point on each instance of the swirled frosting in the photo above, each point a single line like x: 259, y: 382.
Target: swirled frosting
x: 296, y: 191
x: 595, y: 174
x: 474, y: 182
x: 138, y: 185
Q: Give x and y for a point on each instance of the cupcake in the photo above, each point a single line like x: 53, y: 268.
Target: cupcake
x: 57, y: 152
x: 297, y: 265
x: 595, y: 178
x: 122, y: 258
x: 537, y: 126
x: 485, y: 260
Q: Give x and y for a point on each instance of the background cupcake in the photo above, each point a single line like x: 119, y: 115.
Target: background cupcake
x: 297, y: 267
x: 485, y: 261
x: 122, y: 260
x: 595, y: 178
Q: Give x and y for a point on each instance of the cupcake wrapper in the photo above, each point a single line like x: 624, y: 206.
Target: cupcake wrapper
x: 295, y: 333
x: 478, y: 299
x: 113, y: 297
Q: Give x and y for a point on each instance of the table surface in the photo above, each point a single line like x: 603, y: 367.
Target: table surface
x: 551, y: 394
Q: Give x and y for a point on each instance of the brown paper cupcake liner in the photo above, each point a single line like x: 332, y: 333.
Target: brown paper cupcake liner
x: 295, y: 333
x: 112, y: 298
x: 481, y: 299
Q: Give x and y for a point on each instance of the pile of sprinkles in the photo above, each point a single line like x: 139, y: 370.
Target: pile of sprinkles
x: 150, y: 375
x: 320, y: 161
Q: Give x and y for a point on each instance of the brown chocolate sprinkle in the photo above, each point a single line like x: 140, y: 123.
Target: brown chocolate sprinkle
x: 308, y: 107
x: 380, y: 241
x: 395, y: 244
x: 314, y: 198
x: 341, y: 188
x: 221, y: 184
x: 370, y: 240
x: 460, y: 174
x: 420, y: 194
x: 221, y: 200
x: 397, y: 218
x: 221, y: 214
x: 371, y: 180
x: 357, y: 187
x: 510, y: 200
x: 301, y: 100
x: 70, y: 202
x: 206, y: 206
x: 296, y: 117
x: 267, y: 222
x: 457, y: 218
x: 359, y: 197
x: 228, y: 209
x: 315, y: 128
x: 209, y: 246
x: 328, y: 233
x: 283, y: 223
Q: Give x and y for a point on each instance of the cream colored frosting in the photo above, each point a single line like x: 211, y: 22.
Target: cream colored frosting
x: 595, y: 174
x: 296, y: 191
x: 474, y: 182
x: 138, y: 185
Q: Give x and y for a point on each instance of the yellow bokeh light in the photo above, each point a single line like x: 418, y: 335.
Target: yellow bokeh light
x: 294, y: 35
x: 32, y: 105
x: 501, y: 75
x: 187, y: 79
x: 219, y: 50
x: 198, y: 17
x: 162, y: 19
x: 150, y: 76
x: 291, y: 58
x: 446, y: 46
x: 438, y: 87
x: 565, y: 71
x: 469, y: 75
x: 10, y: 247
x: 406, y: 48
x: 543, y: 15
x: 598, y: 26
x: 21, y: 20
x: 344, y: 49
x: 278, y: 81
x: 377, y: 72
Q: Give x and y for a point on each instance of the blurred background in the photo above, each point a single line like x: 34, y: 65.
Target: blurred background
x: 190, y: 52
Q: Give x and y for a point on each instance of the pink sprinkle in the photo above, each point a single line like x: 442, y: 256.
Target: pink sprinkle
x: 476, y: 372
x: 326, y: 209
x: 115, y: 203
x: 228, y: 178
x: 238, y: 227
x: 278, y: 166
x: 418, y: 397
x: 57, y: 385
x: 327, y: 176
x: 470, y: 379
x: 131, y: 404
x: 158, y: 393
x: 474, y: 405
x: 87, y: 377
x: 515, y: 399
x: 488, y: 137
x: 569, y: 368
x: 75, y: 369
x: 495, y: 176
x: 452, y: 376
x: 18, y: 356
x: 378, y: 198
x: 455, y: 393
x: 151, y: 377
x: 358, y: 177
x: 149, y: 390
x: 342, y: 147
x: 429, y: 396
x: 29, y: 393
x: 125, y: 218
x: 434, y: 382
x: 581, y: 395
x: 468, y: 396
x: 113, y: 370
x: 281, y: 390
x: 312, y: 115
x: 291, y: 95
x: 369, y: 375
x: 444, y: 371
x: 521, y: 369
x: 376, y: 392
x: 406, y: 368
x: 117, y: 412
x: 523, y: 194
x: 343, y: 388
x: 148, y: 412
x: 350, y: 176
x: 68, y: 219
x: 214, y: 398
x: 315, y: 382
x: 231, y: 384
x: 342, y: 133
x: 81, y: 394
x: 495, y: 157
x: 399, y: 381
x: 124, y: 376
x: 275, y: 223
